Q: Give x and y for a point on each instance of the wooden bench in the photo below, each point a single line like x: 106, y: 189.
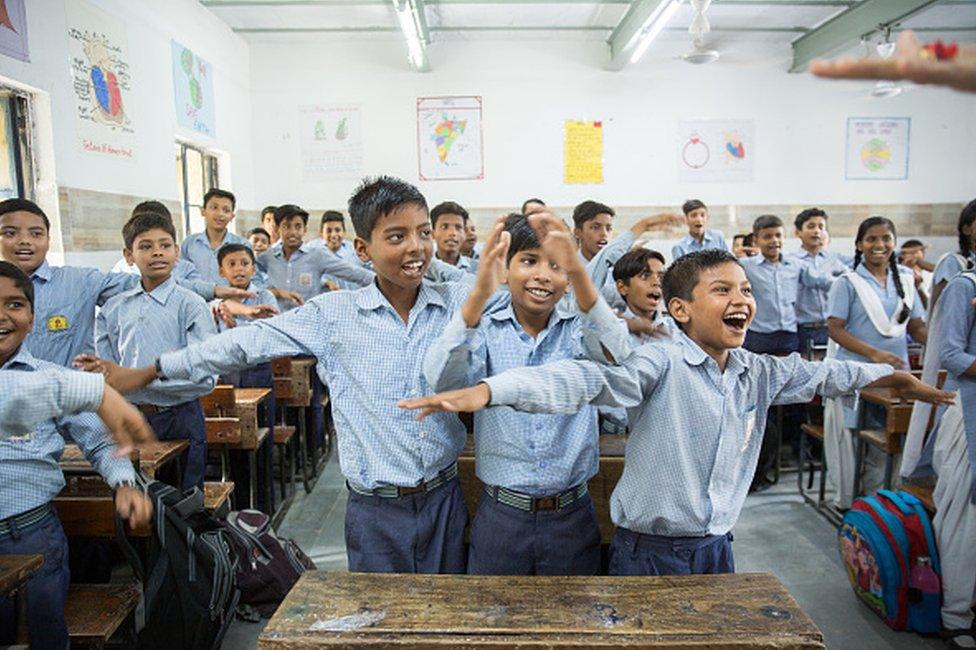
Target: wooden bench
x: 15, y: 571
x: 345, y: 610
x: 95, y: 612
x: 217, y: 497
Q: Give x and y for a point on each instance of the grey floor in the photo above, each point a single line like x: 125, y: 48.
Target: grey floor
x: 777, y: 532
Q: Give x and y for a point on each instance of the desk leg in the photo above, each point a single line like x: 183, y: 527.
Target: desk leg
x: 304, y: 449
x: 20, y: 603
x: 778, y: 451
x: 858, y: 461
x: 253, y: 479
x: 889, y: 467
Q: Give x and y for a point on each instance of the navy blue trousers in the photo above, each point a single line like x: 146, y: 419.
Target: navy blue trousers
x: 781, y: 342
x: 185, y: 422
x: 509, y: 541
x: 47, y: 589
x: 634, y: 554
x: 417, y: 533
x: 811, y: 336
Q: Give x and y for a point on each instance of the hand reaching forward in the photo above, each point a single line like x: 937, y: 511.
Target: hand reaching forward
x: 470, y: 399
x: 556, y: 239
x: 124, y: 422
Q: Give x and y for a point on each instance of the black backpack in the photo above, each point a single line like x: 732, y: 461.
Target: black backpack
x: 189, y: 591
x: 269, y: 565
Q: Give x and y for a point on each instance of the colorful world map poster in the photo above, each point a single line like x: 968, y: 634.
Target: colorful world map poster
x: 101, y: 82
x: 715, y: 151
x: 877, y: 148
x: 450, y: 143
x: 582, y: 152
x: 13, y: 29
x: 193, y: 91
x: 331, y: 141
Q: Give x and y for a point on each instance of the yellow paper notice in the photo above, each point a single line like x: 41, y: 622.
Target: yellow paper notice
x: 582, y: 152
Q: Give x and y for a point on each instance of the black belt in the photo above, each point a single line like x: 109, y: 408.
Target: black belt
x: 396, y: 491
x: 24, y: 519
x: 813, y: 326
x: 528, y: 503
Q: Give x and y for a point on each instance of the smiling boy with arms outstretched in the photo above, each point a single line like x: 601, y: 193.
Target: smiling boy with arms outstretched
x: 697, y: 407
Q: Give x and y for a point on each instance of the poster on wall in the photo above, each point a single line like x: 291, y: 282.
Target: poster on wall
x: 582, y: 152
x: 715, y: 151
x: 877, y: 148
x: 13, y: 29
x: 101, y: 82
x: 193, y: 91
x: 450, y: 143
x: 331, y: 140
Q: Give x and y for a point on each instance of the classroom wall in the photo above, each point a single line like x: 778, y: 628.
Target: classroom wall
x: 95, y: 192
x: 530, y: 87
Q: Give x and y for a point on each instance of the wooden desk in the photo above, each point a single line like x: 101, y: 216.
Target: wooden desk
x: 442, y: 611
x: 151, y: 455
x: 246, y: 403
x: 15, y: 571
x: 600, y: 486
x: 898, y: 413
x: 293, y: 388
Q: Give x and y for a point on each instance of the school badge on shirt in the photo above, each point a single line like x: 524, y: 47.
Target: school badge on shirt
x: 305, y: 280
x: 57, y: 323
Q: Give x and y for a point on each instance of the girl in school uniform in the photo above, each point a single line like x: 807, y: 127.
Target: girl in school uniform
x: 871, y: 308
x: 953, y: 263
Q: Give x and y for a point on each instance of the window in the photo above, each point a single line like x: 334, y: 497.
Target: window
x: 196, y: 172
x: 16, y: 179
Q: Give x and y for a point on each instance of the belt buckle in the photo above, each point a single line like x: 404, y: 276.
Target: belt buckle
x: 407, y: 491
x: 545, y: 503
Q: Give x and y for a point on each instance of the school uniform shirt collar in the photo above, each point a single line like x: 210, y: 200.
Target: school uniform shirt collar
x: 503, y: 310
x: 279, y: 251
x: 370, y: 298
x: 738, y: 361
x: 805, y: 254
x: 161, y: 293
x: 762, y: 259
x: 23, y: 360
x: 43, y: 272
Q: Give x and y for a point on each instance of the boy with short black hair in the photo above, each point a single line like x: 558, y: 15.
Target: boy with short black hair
x: 260, y: 240
x: 268, y: 223
x: 30, y: 476
x: 699, y: 237
x: 912, y: 256
x: 697, y: 454
x: 295, y: 269
x: 201, y: 248
x: 531, y: 206
x: 592, y: 226
x: 450, y: 221
x: 535, y: 517
x: 138, y: 325
x: 742, y: 245
x: 332, y: 237
x: 811, y: 301
x: 637, y: 275
x: 471, y: 246
x: 405, y: 511
x: 65, y: 296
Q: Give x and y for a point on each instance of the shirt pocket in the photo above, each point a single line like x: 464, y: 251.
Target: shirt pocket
x: 747, y: 425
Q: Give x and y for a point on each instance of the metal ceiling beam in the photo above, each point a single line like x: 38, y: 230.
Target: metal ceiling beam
x: 344, y: 3
x: 519, y: 28
x: 624, y: 38
x: 846, y: 28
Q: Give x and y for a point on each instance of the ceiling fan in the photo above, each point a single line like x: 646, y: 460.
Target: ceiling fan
x: 700, y: 54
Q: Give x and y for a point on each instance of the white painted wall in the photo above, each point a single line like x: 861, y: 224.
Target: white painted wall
x: 149, y: 25
x: 530, y: 87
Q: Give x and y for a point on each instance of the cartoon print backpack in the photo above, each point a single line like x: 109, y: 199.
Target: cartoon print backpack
x: 887, y: 545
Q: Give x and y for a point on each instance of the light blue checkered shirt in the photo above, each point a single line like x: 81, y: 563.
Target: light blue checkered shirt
x: 196, y: 248
x: 263, y: 297
x: 811, y: 301
x: 137, y: 326
x: 346, y: 253
x: 775, y: 287
x: 370, y: 360
x: 44, y: 394
x: 537, y: 454
x: 695, y: 432
x: 688, y: 244
x: 302, y: 272
x: 29, y: 472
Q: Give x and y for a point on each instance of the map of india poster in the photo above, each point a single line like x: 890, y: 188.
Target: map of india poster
x: 450, y: 143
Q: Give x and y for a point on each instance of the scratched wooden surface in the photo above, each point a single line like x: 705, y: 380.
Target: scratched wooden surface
x: 15, y: 570
x: 342, y: 610
x: 151, y: 455
x: 600, y: 486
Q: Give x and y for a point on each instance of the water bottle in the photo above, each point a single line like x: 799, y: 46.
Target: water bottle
x: 925, y: 589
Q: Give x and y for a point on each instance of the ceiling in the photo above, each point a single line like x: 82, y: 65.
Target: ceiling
x: 733, y: 22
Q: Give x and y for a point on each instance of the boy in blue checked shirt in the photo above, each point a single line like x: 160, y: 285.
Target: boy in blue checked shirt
x: 297, y: 267
x: 697, y: 407
x: 405, y: 511
x: 65, y: 296
x: 201, y: 248
x: 30, y: 476
x: 332, y: 237
x: 138, y: 325
x: 535, y: 517
x: 699, y: 237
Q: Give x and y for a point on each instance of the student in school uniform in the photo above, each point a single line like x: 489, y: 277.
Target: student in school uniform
x: 297, y: 268
x: 332, y: 237
x: 530, y: 206
x: 450, y: 220
x: 184, y: 270
x: 268, y: 224
x: 953, y: 455
x: 65, y: 297
x: 637, y: 276
x: 201, y: 248
x: 811, y: 301
x: 912, y: 256
x: 955, y: 262
x: 871, y: 309
x: 30, y: 477
x: 535, y: 516
x: 260, y: 241
x: 405, y: 511
x: 743, y: 245
x: 138, y: 325
x: 699, y: 237
x: 688, y: 462
x: 471, y: 247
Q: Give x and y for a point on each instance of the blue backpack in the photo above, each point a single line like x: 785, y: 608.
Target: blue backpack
x: 887, y: 545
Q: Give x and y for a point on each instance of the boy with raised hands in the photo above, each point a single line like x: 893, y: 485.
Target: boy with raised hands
x: 697, y: 407
x: 535, y: 516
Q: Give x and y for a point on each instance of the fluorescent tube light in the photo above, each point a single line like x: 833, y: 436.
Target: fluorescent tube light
x: 653, y: 26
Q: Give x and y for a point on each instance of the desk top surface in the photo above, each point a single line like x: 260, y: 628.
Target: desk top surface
x: 151, y: 454
x: 451, y: 611
x: 15, y: 570
x: 250, y: 396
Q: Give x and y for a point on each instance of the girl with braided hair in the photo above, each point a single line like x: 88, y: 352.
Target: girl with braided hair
x: 952, y: 264
x: 871, y: 308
